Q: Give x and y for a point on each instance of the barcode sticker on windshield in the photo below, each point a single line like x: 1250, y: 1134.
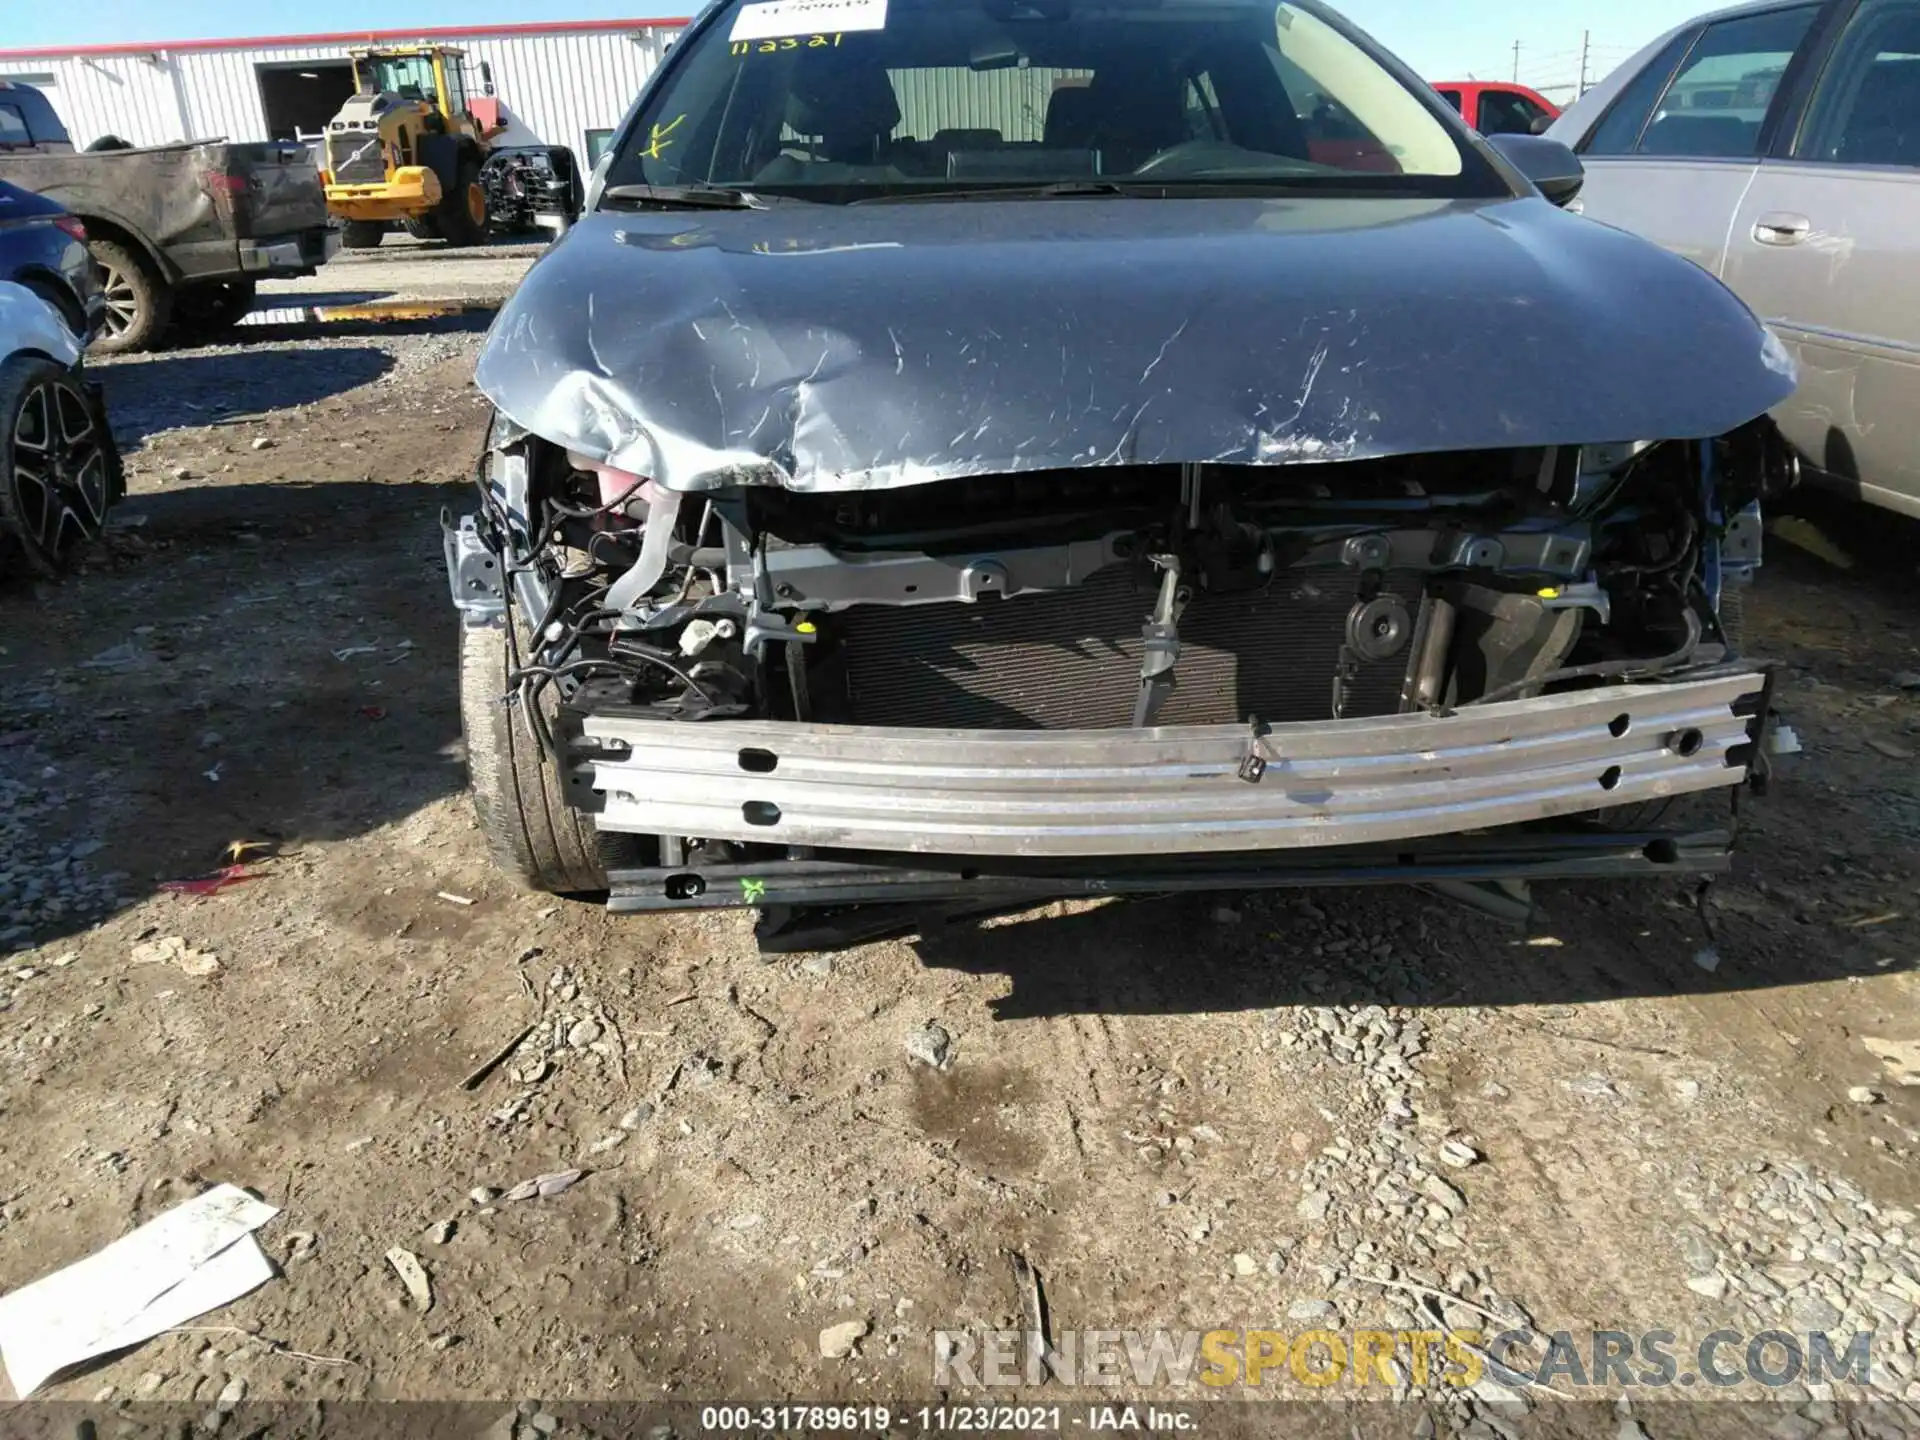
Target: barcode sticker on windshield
x: 776, y: 19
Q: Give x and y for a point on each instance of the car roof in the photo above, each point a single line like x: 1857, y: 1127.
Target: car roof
x: 1729, y: 12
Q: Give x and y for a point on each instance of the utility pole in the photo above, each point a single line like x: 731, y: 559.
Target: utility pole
x: 1586, y: 46
x: 1516, y: 62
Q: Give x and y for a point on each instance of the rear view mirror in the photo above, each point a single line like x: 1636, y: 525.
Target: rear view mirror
x: 995, y: 52
x: 1027, y: 10
x: 1555, y: 170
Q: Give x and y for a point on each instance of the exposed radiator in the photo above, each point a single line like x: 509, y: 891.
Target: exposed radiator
x: 1071, y: 659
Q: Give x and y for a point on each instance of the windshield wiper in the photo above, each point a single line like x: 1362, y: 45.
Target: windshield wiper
x: 1314, y: 181
x: 686, y: 197
x: 987, y: 190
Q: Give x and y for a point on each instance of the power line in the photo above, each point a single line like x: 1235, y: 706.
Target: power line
x: 1574, y: 69
x: 1538, y: 59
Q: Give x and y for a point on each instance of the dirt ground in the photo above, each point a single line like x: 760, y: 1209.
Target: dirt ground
x: 1218, y: 1112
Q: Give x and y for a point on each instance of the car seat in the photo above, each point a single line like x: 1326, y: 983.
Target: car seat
x: 1128, y: 117
x: 848, y: 109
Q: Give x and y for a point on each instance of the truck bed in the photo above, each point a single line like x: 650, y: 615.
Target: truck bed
x: 207, y: 209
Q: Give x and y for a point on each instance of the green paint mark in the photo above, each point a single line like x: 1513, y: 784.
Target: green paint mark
x: 659, y: 137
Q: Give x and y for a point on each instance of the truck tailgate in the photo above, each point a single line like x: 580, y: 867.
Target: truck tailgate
x: 282, y: 191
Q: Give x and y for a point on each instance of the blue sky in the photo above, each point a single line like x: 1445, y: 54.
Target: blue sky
x: 1448, y: 41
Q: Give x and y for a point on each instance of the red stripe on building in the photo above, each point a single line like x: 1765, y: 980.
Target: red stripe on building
x: 351, y: 37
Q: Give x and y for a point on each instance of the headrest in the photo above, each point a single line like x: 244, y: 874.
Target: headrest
x: 842, y: 100
x: 1070, y: 113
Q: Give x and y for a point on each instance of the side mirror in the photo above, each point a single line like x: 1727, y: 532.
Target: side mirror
x: 1555, y: 170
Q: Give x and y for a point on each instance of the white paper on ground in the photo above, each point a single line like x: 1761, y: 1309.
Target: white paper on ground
x: 194, y: 1258
x: 778, y: 19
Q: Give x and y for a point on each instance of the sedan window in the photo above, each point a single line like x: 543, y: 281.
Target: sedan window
x: 1619, y: 130
x: 1719, y: 100
x: 13, y: 127
x: 1867, y: 109
x: 1504, y: 113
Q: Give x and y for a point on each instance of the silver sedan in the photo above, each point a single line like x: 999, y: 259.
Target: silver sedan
x: 1778, y: 146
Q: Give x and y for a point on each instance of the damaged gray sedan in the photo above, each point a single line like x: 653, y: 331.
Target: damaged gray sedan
x: 980, y: 451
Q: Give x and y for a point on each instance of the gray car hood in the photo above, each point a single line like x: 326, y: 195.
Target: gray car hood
x: 825, y: 347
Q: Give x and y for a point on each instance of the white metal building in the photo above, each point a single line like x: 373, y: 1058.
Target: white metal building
x: 559, y: 82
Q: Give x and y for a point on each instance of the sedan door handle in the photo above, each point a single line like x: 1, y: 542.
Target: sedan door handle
x: 1782, y: 227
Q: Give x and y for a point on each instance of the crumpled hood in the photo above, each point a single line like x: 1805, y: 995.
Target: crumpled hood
x: 824, y: 347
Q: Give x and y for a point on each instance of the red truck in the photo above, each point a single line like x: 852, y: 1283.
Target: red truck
x: 1493, y: 107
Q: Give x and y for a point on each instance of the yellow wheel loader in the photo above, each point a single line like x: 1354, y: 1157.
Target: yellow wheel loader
x: 408, y: 146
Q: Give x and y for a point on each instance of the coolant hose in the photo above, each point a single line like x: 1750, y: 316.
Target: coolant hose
x: 663, y: 511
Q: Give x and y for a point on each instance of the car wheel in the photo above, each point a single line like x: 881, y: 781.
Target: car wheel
x: 58, y: 469
x: 363, y: 234
x: 139, y: 304
x: 462, y: 215
x: 217, y: 305
x: 518, y: 793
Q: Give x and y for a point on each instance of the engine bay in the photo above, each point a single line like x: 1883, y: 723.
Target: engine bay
x: 1124, y: 596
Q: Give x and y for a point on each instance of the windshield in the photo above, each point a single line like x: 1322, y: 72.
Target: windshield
x: 408, y: 76
x: 849, y: 98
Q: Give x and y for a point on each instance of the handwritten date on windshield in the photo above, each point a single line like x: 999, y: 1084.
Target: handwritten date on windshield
x: 787, y: 42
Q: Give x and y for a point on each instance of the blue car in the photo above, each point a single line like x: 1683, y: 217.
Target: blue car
x: 59, y: 468
x: 45, y: 249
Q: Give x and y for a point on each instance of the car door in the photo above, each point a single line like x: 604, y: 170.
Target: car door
x: 1826, y: 249
x: 1671, y: 158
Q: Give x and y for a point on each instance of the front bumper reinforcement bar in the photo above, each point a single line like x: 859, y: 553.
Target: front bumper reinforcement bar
x: 1175, y: 790
x: 851, y: 878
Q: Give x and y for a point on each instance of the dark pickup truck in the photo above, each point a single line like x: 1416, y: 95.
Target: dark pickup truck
x: 181, y: 232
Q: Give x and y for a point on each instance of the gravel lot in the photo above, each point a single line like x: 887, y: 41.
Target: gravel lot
x: 1353, y: 1109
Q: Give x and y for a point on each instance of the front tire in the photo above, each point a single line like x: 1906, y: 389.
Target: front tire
x: 139, y: 303
x: 59, y: 470
x: 363, y: 234
x: 531, y: 831
x: 461, y: 217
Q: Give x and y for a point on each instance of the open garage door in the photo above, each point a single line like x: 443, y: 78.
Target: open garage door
x: 301, y: 96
